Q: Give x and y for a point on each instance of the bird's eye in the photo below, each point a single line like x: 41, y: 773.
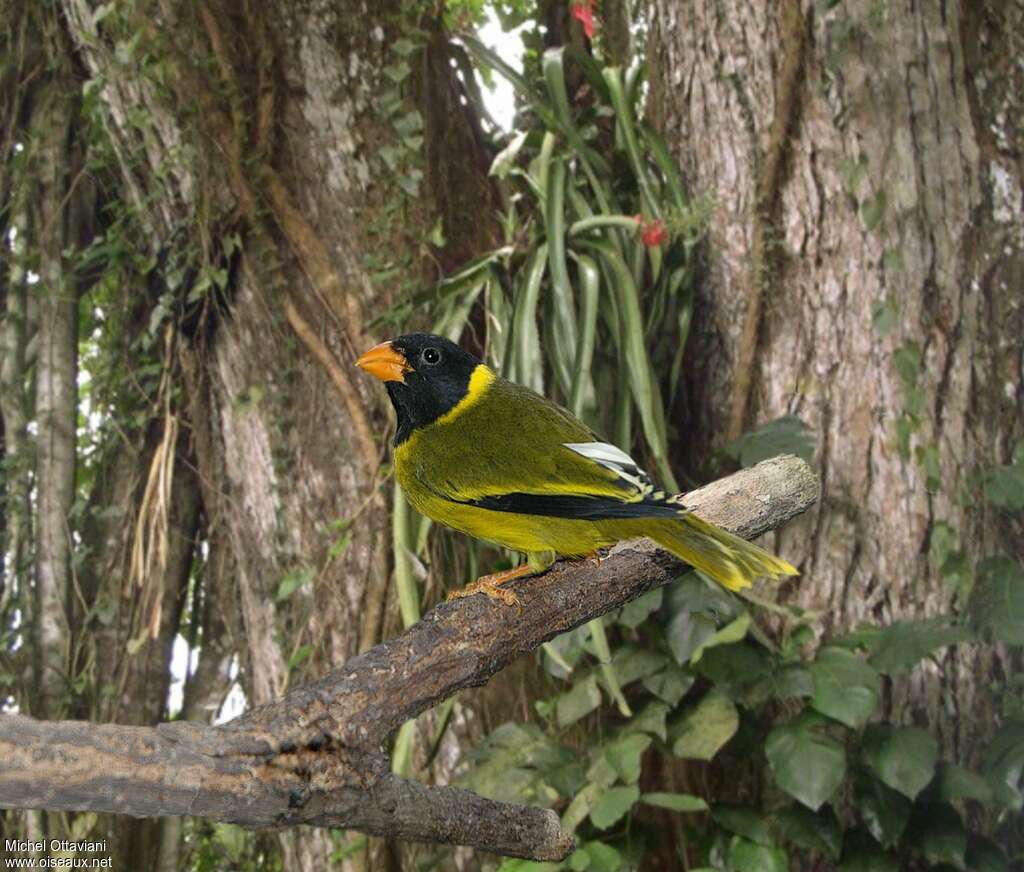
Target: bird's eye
x: 431, y: 356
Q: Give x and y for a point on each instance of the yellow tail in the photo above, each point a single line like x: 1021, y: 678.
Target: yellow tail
x: 728, y: 559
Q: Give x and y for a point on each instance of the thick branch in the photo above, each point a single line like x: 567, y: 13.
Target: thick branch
x: 313, y: 756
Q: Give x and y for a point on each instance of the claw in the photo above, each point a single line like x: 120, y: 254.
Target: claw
x: 489, y: 585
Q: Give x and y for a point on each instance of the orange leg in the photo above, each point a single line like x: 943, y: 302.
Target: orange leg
x: 489, y: 584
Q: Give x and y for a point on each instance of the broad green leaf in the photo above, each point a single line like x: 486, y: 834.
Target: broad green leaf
x: 902, y: 644
x: 602, y: 857
x: 786, y: 435
x: 742, y: 671
x: 902, y: 757
x: 612, y: 805
x: 734, y: 631
x: 743, y: 821
x: 579, y: 860
x: 936, y: 830
x: 632, y: 663
x: 1001, y: 599
x: 813, y: 832
x: 794, y: 681
x: 634, y: 613
x: 862, y: 854
x: 705, y: 728
x: 514, y: 764
x: 744, y: 854
x: 687, y: 632
x: 807, y: 765
x: 1004, y: 487
x: 578, y: 702
x: 581, y: 805
x: 511, y: 865
x: 984, y: 855
x: 669, y: 685
x: 884, y: 811
x: 955, y: 782
x: 292, y: 581
x: 625, y: 755
x: 683, y: 802
x: 845, y: 687
x: 1003, y: 764
x: 652, y: 720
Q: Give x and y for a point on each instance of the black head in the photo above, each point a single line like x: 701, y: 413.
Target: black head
x: 426, y: 376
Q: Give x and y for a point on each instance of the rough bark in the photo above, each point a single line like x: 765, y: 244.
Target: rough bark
x: 56, y: 391
x: 261, y: 123
x: 313, y: 757
x: 862, y: 161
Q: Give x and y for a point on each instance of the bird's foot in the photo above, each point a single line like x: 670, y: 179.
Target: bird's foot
x: 489, y: 585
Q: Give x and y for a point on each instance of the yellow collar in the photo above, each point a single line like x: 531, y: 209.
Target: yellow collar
x: 481, y: 379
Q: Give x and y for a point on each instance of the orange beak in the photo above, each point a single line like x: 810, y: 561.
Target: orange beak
x: 383, y: 362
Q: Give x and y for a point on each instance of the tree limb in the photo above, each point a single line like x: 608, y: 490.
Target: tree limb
x: 314, y: 756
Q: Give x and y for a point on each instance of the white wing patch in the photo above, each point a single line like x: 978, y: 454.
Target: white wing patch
x: 615, y: 459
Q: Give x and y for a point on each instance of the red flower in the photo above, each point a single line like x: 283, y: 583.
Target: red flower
x: 653, y: 232
x: 584, y: 13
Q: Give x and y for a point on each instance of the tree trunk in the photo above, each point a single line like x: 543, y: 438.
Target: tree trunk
x: 247, y: 143
x: 863, y: 269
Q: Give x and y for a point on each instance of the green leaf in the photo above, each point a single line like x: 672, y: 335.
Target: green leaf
x: 955, y: 782
x: 902, y: 644
x: 862, y: 854
x: 1003, y: 764
x: 873, y: 209
x: 902, y: 757
x: 793, y: 681
x: 301, y: 655
x: 578, y: 702
x: 786, y: 435
x: 743, y: 821
x: 984, y: 855
x: 579, y: 860
x: 884, y: 316
x: 744, y: 854
x: 845, y: 687
x: 808, y: 766
x: 519, y: 763
x: 883, y: 810
x: 1004, y: 487
x: 1001, y: 599
x: 634, y: 613
x: 292, y: 581
x: 632, y: 663
x: 669, y: 685
x: 742, y: 671
x: 937, y: 832
x: 602, y: 857
x: 705, y: 728
x: 612, y: 805
x: 687, y: 632
x: 510, y: 865
x: 625, y: 754
x: 683, y: 802
x: 652, y: 720
x: 734, y: 631
x: 813, y: 832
